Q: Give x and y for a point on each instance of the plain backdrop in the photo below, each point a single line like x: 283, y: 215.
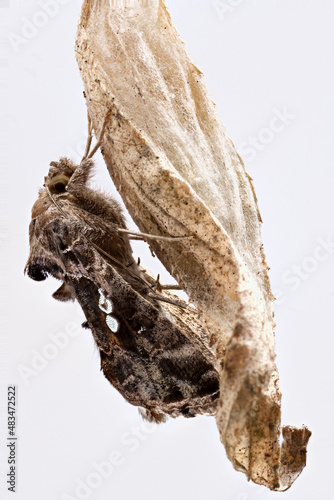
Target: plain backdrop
x: 261, y: 59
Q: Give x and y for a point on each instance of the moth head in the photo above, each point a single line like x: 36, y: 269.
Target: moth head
x: 58, y: 183
x: 35, y: 272
x: 59, y: 175
x: 39, y: 267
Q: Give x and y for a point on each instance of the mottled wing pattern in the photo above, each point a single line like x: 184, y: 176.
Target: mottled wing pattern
x: 144, y: 353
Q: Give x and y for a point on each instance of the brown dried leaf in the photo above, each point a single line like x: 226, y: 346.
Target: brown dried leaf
x: 179, y: 174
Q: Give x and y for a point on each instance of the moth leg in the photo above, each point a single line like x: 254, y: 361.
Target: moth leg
x: 170, y: 287
x: 157, y: 286
x: 145, y: 236
x: 165, y: 299
x: 136, y: 238
x: 134, y: 263
x: 89, y: 138
x: 83, y: 172
x: 88, y: 154
x: 100, y: 139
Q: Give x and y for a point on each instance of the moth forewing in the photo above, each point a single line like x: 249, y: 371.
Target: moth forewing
x: 157, y: 355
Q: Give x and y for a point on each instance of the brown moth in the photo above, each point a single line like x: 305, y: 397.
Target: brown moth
x: 149, y: 354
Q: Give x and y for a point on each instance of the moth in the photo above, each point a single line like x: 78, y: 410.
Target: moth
x: 149, y: 354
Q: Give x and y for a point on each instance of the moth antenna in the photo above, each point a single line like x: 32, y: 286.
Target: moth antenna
x: 55, y: 203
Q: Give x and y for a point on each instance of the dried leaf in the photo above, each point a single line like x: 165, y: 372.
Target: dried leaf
x: 180, y: 175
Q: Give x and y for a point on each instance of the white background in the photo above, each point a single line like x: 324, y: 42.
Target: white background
x: 258, y: 58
